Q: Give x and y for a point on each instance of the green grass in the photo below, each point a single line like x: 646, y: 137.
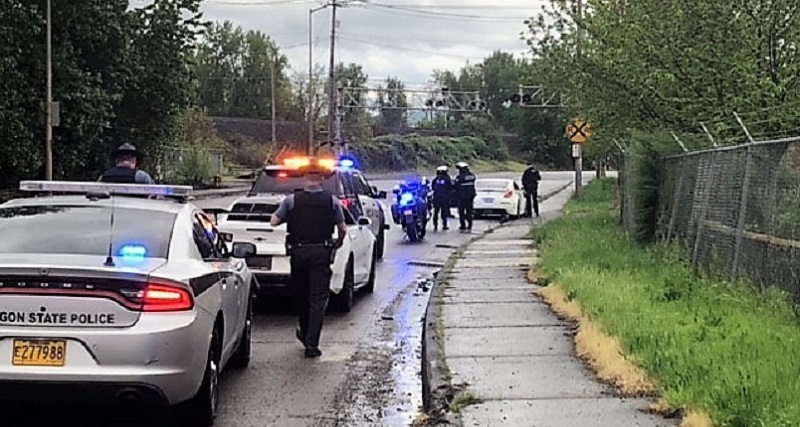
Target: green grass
x: 718, y: 346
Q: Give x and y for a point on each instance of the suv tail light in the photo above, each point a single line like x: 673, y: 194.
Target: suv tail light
x: 509, y: 194
x: 162, y: 296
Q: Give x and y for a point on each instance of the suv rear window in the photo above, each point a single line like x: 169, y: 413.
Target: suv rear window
x: 83, y: 230
x: 279, y: 181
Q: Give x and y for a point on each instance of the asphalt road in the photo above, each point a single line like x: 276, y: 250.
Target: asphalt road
x: 354, y: 382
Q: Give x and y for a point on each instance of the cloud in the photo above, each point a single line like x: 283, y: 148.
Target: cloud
x: 403, y: 38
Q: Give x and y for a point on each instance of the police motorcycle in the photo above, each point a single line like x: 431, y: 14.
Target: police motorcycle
x: 410, y: 209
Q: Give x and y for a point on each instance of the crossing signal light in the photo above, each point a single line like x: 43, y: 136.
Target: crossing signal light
x: 516, y: 98
x: 477, y: 105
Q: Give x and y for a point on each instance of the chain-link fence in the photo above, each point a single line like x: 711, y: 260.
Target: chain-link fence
x: 735, y: 208
x: 191, y: 165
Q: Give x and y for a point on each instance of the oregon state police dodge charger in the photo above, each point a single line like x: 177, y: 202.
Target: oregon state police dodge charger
x: 120, y: 298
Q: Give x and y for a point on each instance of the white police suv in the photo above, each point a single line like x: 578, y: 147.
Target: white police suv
x: 248, y: 220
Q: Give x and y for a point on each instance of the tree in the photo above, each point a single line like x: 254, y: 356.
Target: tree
x: 234, y: 70
x: 392, y: 101
x: 357, y: 125
x: 125, y: 79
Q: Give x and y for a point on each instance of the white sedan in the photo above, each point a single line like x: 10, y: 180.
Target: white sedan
x: 498, y: 197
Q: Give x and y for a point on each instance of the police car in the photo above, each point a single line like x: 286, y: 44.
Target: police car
x: 248, y: 220
x: 109, y: 295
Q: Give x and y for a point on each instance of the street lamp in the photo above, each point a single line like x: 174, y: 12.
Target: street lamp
x: 311, y: 77
x: 48, y: 147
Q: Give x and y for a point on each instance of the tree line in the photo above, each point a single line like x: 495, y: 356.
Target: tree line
x: 145, y: 74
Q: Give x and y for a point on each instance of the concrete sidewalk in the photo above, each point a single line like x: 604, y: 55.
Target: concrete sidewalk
x: 516, y: 356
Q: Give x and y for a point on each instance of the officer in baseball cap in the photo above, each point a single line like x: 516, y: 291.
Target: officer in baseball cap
x: 311, y: 215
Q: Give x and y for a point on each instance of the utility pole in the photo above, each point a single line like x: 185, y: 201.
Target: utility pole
x: 272, y: 94
x: 333, y: 122
x: 49, y: 102
x: 311, y: 82
x: 577, y: 148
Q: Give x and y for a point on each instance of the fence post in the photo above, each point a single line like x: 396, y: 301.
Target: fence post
x: 742, y: 210
x: 675, y: 197
x: 712, y: 169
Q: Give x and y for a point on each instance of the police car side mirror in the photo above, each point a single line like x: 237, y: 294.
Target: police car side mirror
x: 382, y: 195
x: 244, y: 250
x: 364, y: 221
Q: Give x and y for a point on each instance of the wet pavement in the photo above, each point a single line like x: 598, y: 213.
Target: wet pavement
x: 368, y: 374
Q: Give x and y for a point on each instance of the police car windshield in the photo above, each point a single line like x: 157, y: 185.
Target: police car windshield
x: 284, y: 181
x: 83, y: 230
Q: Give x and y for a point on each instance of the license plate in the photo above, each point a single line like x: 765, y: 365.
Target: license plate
x: 260, y: 262
x: 408, y: 212
x: 39, y: 353
x: 488, y: 200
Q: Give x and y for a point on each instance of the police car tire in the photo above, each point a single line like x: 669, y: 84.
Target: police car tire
x: 241, y: 357
x: 201, y: 410
x: 344, y: 299
x: 380, y: 242
x: 370, y: 286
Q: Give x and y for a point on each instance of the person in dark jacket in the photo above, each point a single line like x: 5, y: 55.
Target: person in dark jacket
x: 125, y: 171
x: 442, y: 190
x: 530, y: 184
x: 465, y: 191
x: 311, y: 216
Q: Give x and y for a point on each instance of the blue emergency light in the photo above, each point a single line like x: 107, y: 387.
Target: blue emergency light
x: 132, y: 251
x: 406, y: 199
x: 347, y: 163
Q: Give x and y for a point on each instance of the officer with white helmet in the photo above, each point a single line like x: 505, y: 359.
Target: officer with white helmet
x: 442, y: 188
x: 465, y: 191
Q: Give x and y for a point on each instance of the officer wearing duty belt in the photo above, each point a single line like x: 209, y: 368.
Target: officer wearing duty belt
x: 311, y: 216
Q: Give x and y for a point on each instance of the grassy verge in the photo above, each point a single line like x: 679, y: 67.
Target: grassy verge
x: 709, y: 345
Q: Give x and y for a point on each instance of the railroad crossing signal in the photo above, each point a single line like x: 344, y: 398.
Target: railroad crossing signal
x: 579, y: 130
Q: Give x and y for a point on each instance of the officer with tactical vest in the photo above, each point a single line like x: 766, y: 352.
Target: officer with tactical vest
x: 311, y: 216
x: 125, y: 172
x: 465, y: 191
x: 442, y: 190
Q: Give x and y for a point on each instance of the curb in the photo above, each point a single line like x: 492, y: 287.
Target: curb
x: 435, y: 385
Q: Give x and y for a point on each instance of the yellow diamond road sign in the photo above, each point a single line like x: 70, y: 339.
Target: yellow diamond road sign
x: 579, y: 131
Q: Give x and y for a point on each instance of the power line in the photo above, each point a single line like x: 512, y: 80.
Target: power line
x: 428, y: 40
x: 258, y: 2
x: 440, y: 15
x: 392, y: 47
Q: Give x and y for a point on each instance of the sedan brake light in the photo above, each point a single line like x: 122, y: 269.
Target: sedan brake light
x: 164, y: 296
x: 509, y: 194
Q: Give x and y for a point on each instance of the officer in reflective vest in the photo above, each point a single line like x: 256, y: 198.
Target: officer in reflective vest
x: 465, y: 191
x: 311, y: 216
x: 126, y: 159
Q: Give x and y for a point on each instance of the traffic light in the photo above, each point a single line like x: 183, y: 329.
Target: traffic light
x: 516, y: 98
x: 477, y: 105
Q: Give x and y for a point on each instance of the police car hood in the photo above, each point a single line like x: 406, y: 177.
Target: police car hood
x: 71, y: 290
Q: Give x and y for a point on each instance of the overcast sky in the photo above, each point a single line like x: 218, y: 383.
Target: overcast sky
x: 403, y: 38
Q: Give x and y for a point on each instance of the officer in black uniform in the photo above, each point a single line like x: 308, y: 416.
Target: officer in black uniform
x: 465, y: 191
x: 442, y: 189
x: 125, y: 172
x: 530, y: 183
x: 311, y: 215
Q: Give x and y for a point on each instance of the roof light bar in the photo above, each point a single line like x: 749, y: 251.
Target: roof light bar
x: 105, y: 188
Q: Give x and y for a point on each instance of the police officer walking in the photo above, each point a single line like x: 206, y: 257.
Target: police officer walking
x: 530, y: 183
x: 465, y: 191
x: 311, y: 216
x: 442, y: 188
x: 125, y: 171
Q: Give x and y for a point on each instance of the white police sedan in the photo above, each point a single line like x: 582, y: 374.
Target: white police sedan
x: 112, y: 296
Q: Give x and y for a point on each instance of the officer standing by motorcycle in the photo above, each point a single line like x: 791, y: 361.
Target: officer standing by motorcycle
x: 465, y: 191
x: 530, y: 184
x: 311, y: 216
x: 125, y: 170
x: 442, y: 189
